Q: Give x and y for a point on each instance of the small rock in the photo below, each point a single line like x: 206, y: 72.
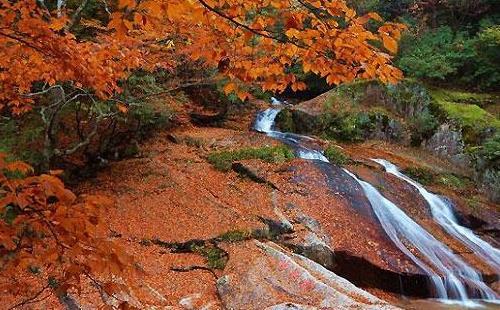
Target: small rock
x: 251, y: 173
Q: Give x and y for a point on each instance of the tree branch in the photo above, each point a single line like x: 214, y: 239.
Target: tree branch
x: 28, y: 44
x: 76, y: 15
x: 248, y: 28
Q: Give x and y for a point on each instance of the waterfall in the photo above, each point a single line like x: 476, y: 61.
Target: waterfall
x: 401, y: 229
x: 265, y: 120
x: 442, y: 213
x: 450, y: 276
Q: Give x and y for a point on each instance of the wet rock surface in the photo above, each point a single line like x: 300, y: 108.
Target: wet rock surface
x: 265, y: 276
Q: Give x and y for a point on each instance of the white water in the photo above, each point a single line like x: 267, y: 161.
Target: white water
x: 447, y: 272
x: 442, y: 213
x: 265, y: 120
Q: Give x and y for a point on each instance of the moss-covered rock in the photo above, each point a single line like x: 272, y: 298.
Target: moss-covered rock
x: 298, y: 121
x: 475, y: 123
x: 285, y: 121
x: 486, y: 160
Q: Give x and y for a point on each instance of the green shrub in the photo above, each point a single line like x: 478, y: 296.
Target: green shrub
x: 488, y: 60
x: 421, y: 175
x: 454, y: 57
x: 149, y: 117
x: 223, y: 160
x: 336, y: 156
x: 22, y: 138
x: 422, y: 127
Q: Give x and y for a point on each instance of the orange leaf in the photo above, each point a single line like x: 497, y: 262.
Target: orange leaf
x: 229, y: 88
x: 122, y: 108
x: 390, y: 44
x: 19, y: 166
x: 57, y: 24
x: 126, y: 3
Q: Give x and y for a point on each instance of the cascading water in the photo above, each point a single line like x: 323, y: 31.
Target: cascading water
x: 451, y: 277
x: 453, y: 272
x: 442, y: 213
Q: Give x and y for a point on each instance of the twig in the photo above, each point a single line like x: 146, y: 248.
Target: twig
x: 166, y: 91
x: 28, y: 44
x: 30, y: 300
x: 248, y: 28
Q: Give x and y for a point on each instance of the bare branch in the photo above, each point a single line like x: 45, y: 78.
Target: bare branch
x: 248, y: 28
x: 76, y: 15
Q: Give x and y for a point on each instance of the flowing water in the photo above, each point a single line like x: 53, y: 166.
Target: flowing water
x: 442, y: 213
x: 451, y: 277
x: 448, y: 273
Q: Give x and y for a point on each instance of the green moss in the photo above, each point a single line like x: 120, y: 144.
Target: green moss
x: 427, y: 177
x: 336, y: 156
x: 479, y: 99
x: 235, y: 236
x: 470, y: 117
x: 452, y: 181
x: 223, y: 160
x: 216, y: 257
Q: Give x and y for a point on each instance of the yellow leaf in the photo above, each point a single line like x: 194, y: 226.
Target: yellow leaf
x: 306, y: 67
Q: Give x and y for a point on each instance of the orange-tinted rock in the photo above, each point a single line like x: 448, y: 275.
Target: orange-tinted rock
x: 265, y: 276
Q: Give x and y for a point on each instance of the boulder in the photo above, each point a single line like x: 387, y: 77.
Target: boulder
x: 266, y: 276
x: 448, y: 143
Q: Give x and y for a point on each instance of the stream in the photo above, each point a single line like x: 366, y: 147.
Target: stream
x: 452, y: 280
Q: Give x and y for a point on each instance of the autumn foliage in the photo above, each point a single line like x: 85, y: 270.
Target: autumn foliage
x: 258, y: 40
x: 46, y: 230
